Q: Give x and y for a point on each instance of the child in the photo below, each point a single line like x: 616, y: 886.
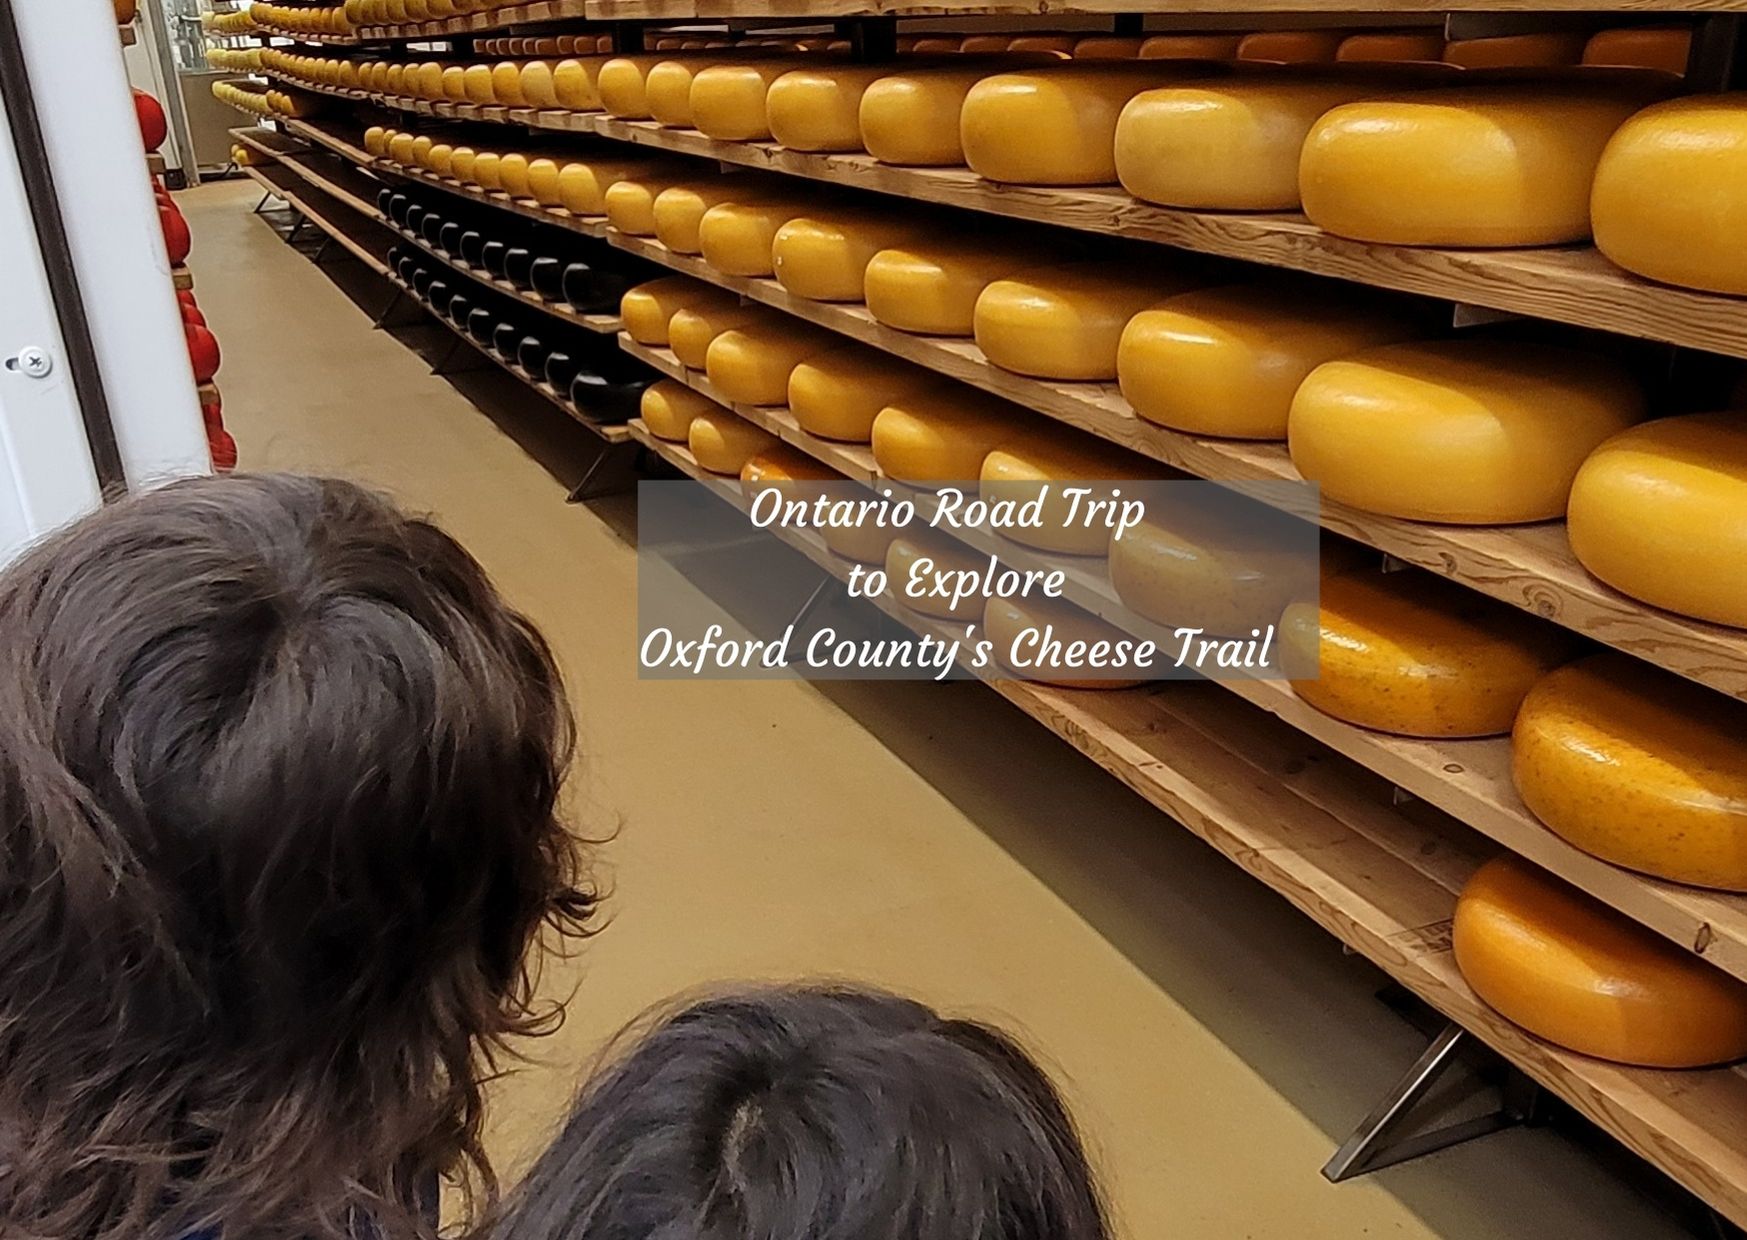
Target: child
x: 814, y: 1114
x: 278, y: 773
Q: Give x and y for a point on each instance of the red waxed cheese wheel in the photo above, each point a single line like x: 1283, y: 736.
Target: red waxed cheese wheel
x: 178, y: 241
x: 154, y: 126
x: 202, y: 352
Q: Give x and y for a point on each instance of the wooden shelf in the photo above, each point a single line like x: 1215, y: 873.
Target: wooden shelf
x: 823, y: 10
x: 323, y: 136
x: 612, y: 433
x: 1316, y: 829
x: 501, y: 18
x: 181, y: 277
x: 607, y: 324
x: 342, y: 182
x: 354, y: 235
x: 328, y: 40
x: 129, y: 36
x: 155, y: 164
x: 556, y: 216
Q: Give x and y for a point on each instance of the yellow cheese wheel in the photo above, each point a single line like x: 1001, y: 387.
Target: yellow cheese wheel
x: 1055, y: 44
x: 506, y: 84
x: 461, y: 164
x: 735, y: 237
x: 649, y: 307
x: 1019, y: 626
x: 838, y: 393
x: 478, y: 86
x: 539, y: 87
x: 623, y: 84
x: 440, y: 159
x: 728, y: 100
x: 1691, y: 238
x: 421, y: 150
x: 667, y: 408
x: 782, y: 467
x: 1638, y: 767
x: 630, y: 203
x: 819, y: 109
x: 1660, y: 512
x: 1065, y: 322
x: 428, y: 81
x: 1108, y: 47
x: 512, y: 172
x: 376, y: 141
x: 1228, y: 361
x: 1502, y: 165
x: 984, y: 44
x: 911, y: 115
x: 485, y: 171
x: 864, y: 544
x: 1471, y: 432
x: 1052, y: 126
x: 935, y: 45
x: 941, y: 434
x: 394, y: 81
x: 1418, y: 655
x: 667, y: 90
x: 922, y: 556
x: 679, y: 209
x: 542, y: 180
x: 1541, y: 49
x: 455, y: 84
x: 825, y: 257
x: 1291, y: 47
x: 1664, y: 48
x: 1223, y: 145
x: 931, y: 286
x: 750, y: 364
x: 400, y: 149
x: 1190, y: 47
x: 1042, y: 464
x: 693, y: 327
x: 1385, y: 46
x: 722, y: 442
x: 1569, y: 969
x: 575, y: 83
x: 583, y: 185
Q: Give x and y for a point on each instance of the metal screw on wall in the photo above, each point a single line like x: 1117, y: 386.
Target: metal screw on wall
x: 32, y: 362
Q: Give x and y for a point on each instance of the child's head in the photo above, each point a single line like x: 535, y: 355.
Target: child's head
x: 278, y: 772
x: 814, y: 1114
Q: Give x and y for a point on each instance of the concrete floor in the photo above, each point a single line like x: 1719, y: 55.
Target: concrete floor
x: 1215, y: 1044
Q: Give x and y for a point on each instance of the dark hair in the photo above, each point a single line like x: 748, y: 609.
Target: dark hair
x: 814, y: 1114
x: 278, y: 773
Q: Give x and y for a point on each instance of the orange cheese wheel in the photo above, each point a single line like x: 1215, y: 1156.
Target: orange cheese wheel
x: 667, y: 408
x: 679, y: 209
x: 1665, y: 48
x: 693, y: 327
x: 1542, y: 49
x: 722, y: 442
x: 931, y: 286
x: 583, y: 184
x: 751, y: 364
x: 838, y: 394
x: 792, y: 472
x: 1223, y: 145
x: 819, y: 109
x: 1042, y: 464
x: 1500, y: 165
x: 648, y: 308
x: 1638, y: 767
x: 1228, y: 361
x: 825, y: 257
x: 1392, y: 45
x: 911, y: 115
x: 729, y: 100
x: 1571, y: 970
x: 920, y: 556
x: 1190, y: 47
x: 941, y: 433
x: 1018, y: 627
x: 1065, y: 322
x: 1416, y: 655
x: 1690, y: 238
x: 1291, y: 47
x: 735, y: 237
x: 630, y: 203
x: 1660, y: 512
x: 1471, y: 432
x: 1052, y: 126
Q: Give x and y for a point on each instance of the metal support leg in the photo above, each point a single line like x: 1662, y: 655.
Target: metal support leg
x: 261, y: 206
x: 827, y: 591
x: 321, y: 251
x: 291, y: 237
x: 1372, y: 1148
x: 598, y: 479
x: 456, y: 346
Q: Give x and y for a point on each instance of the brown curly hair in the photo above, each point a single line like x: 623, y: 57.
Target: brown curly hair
x: 278, y: 831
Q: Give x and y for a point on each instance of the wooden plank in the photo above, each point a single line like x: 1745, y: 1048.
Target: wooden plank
x: 343, y: 183
x: 1300, y: 822
x: 155, y: 164
x: 129, y: 36
x: 588, y: 226
x: 1531, y: 567
x: 607, y: 324
x: 355, y: 235
x: 501, y: 18
x: 323, y: 135
x: 181, y: 278
x: 718, y: 10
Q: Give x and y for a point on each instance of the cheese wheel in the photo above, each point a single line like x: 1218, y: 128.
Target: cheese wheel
x: 1660, y: 513
x: 1569, y: 969
x: 931, y: 286
x: 1417, y: 655
x: 477, y: 85
x: 376, y: 141
x: 679, y: 209
x: 984, y: 44
x: 461, y: 164
x: 1664, y: 48
x: 782, y: 467
x: 722, y: 442
x: 1638, y: 767
x: 400, y: 149
x: 1223, y: 145
x: 1220, y: 569
x: 1291, y: 47
x: 1051, y: 126
x: 649, y: 307
x: 751, y: 364
x: 1019, y: 628
x: 667, y: 408
x: 623, y: 84
x: 1043, y: 464
x: 941, y: 434
x: 1392, y: 45
x: 1228, y: 361
x: 728, y: 100
x: 864, y: 544
x: 916, y: 561
x: 513, y: 172
x: 1190, y: 47
x: 421, y: 150
x: 735, y: 237
x: 693, y: 327
x: 1065, y: 322
x: 936, y: 45
x: 1108, y: 47
x: 911, y: 116
x: 667, y: 88
x: 1690, y: 238
x: 1470, y: 432
x: 583, y: 185
x: 428, y: 80
x: 819, y: 109
x: 539, y: 87
x: 455, y: 84
x: 440, y: 159
x: 1542, y: 49
x: 838, y: 393
x: 825, y: 257
x: 575, y: 83
x: 394, y: 81
x: 630, y: 203
x: 1476, y: 166
x: 506, y: 84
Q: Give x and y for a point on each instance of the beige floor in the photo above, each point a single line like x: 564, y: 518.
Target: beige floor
x: 1215, y: 1043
